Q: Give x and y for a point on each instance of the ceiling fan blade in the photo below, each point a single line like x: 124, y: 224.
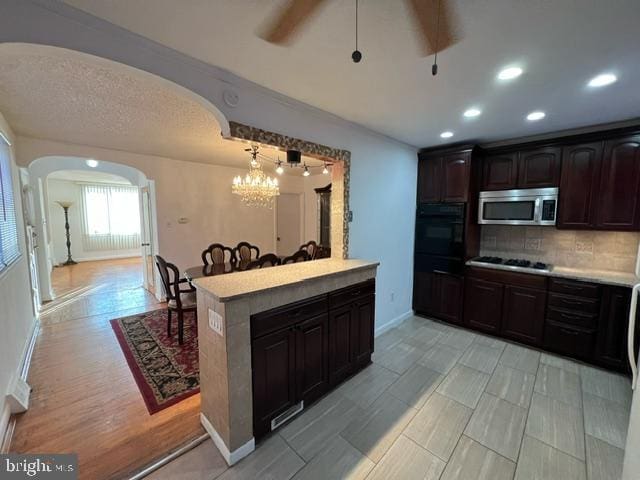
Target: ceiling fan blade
x: 436, y: 35
x: 289, y: 20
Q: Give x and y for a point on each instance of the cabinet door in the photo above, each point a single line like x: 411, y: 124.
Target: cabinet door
x: 456, y: 170
x: 611, y: 342
x: 449, y: 291
x: 500, y: 172
x: 341, y: 326
x: 483, y: 304
x: 618, y: 197
x: 424, y: 298
x: 312, y: 358
x: 274, y: 377
x: 429, y: 179
x: 578, y: 185
x: 362, y: 342
x: 539, y: 168
x: 523, y: 314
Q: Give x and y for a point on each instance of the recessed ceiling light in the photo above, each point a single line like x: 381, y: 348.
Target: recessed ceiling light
x: 472, y: 112
x: 92, y: 163
x: 509, y: 73
x: 446, y: 134
x: 602, y: 80
x: 537, y: 115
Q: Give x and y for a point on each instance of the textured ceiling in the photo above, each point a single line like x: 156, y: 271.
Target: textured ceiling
x: 70, y: 97
x: 560, y: 44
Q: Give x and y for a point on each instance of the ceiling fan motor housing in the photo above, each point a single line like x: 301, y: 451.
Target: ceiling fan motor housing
x: 294, y: 157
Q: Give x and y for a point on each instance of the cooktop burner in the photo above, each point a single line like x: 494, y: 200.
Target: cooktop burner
x: 514, y: 263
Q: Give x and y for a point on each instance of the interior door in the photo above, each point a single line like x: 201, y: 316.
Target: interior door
x: 28, y: 208
x: 147, y: 240
x: 288, y: 223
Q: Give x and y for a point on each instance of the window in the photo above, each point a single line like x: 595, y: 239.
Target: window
x: 111, y: 219
x: 9, y: 250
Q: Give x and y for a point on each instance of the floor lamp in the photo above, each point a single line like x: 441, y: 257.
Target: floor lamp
x: 66, y: 206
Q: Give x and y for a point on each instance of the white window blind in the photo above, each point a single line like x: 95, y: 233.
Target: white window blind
x: 111, y: 217
x: 9, y: 250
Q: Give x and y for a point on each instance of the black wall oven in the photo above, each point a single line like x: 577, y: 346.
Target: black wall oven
x: 439, y: 242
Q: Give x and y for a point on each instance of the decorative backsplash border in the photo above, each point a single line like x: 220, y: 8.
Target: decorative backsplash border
x: 340, y: 177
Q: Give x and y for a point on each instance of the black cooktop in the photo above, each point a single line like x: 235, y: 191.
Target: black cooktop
x: 513, y: 262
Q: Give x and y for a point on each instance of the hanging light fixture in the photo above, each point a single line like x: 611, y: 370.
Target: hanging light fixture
x: 325, y: 170
x: 306, y: 172
x: 256, y: 188
x: 279, y: 168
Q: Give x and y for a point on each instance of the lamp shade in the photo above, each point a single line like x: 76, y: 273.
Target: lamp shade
x: 64, y: 204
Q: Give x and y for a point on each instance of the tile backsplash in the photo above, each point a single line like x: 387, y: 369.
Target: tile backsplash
x: 564, y: 248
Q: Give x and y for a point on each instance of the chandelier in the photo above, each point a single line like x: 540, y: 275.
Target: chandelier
x: 256, y: 188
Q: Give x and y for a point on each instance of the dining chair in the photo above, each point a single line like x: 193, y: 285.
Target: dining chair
x: 179, y: 300
x: 245, y: 251
x: 311, y: 248
x: 299, y: 256
x: 323, y: 252
x: 216, y: 254
x: 266, y: 260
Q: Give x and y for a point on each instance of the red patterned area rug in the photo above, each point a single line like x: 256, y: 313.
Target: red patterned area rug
x: 165, y: 371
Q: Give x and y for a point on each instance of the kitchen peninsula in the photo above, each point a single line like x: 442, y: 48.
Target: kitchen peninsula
x: 273, y: 340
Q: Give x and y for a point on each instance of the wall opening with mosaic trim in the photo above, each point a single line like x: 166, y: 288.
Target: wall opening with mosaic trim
x: 341, y: 160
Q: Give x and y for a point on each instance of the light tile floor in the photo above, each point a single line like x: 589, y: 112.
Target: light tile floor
x: 444, y: 403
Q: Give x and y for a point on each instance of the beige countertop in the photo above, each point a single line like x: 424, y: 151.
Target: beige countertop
x: 608, y: 277
x: 239, y: 284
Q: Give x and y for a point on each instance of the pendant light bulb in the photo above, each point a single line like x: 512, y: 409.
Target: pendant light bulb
x: 306, y: 172
x: 325, y: 170
x: 279, y: 169
x: 356, y: 56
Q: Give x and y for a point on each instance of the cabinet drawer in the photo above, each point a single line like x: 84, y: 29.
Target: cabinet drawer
x: 509, y: 278
x: 571, y: 341
x: 287, y: 315
x: 589, y: 306
x: 575, y: 287
x: 349, y: 294
x: 584, y: 320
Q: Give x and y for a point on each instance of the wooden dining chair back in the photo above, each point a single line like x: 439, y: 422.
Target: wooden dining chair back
x: 299, y: 256
x: 179, y: 299
x: 265, y: 261
x: 311, y: 248
x: 245, y: 251
x: 217, y: 254
x: 323, y: 252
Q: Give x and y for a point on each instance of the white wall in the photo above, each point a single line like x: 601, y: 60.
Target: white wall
x: 17, y: 318
x: 198, y: 192
x: 64, y: 190
x: 383, y: 175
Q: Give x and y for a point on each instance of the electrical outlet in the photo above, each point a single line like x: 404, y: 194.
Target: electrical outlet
x: 215, y: 322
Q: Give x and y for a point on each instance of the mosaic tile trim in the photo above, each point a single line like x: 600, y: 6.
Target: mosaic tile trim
x: 243, y: 132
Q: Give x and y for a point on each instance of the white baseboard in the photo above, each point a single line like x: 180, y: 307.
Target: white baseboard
x: 23, y: 371
x: 230, y: 457
x: 104, y: 257
x: 393, y: 323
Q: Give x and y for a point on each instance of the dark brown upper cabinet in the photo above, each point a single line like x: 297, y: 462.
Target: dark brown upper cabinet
x: 535, y: 168
x: 539, y: 168
x: 618, y: 206
x: 444, y: 177
x: 429, y: 179
x: 579, y: 183
x: 500, y: 172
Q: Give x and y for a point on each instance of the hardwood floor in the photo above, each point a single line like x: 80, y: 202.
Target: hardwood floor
x: 84, y: 397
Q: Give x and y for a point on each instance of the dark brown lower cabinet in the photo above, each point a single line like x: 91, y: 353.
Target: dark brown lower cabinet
x: 439, y: 295
x: 523, y: 314
x: 274, y: 377
x: 611, y: 347
x: 300, y: 351
x: 483, y: 304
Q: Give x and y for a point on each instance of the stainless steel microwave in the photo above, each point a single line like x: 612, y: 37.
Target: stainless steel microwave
x: 531, y: 206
